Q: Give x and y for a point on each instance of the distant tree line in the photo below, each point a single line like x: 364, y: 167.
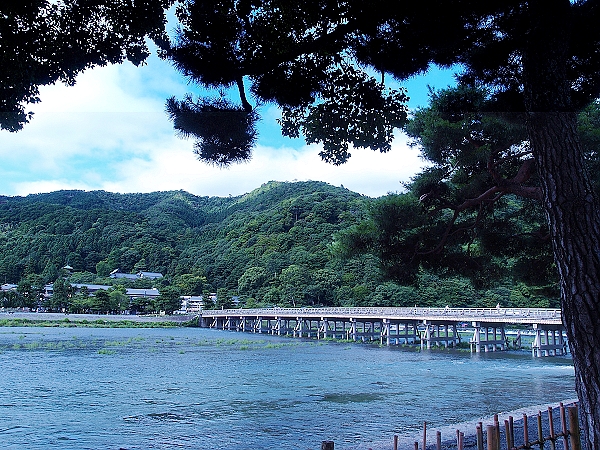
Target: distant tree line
x: 284, y: 244
x: 66, y: 298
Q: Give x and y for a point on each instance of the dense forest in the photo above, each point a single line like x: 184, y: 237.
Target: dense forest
x: 282, y: 244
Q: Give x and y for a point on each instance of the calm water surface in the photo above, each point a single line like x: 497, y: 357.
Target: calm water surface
x: 190, y: 388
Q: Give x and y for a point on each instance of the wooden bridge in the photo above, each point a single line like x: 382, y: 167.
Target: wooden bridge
x: 426, y: 327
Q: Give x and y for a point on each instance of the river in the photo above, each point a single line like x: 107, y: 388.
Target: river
x: 192, y: 388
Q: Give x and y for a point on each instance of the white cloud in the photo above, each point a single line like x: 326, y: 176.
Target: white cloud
x: 110, y: 132
x: 367, y: 172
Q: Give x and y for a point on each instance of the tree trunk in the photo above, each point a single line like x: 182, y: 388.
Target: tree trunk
x: 575, y: 230
x: 570, y: 204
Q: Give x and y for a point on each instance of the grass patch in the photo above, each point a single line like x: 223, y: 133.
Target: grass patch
x: 98, y: 323
x: 106, y: 351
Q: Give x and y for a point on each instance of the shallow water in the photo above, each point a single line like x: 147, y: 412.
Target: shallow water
x: 190, y: 388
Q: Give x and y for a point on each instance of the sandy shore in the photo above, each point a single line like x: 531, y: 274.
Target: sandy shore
x: 449, y: 433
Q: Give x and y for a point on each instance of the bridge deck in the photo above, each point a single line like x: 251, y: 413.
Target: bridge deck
x: 526, y: 316
x: 428, y: 326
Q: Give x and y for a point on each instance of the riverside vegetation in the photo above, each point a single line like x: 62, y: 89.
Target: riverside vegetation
x: 98, y: 323
x: 284, y: 244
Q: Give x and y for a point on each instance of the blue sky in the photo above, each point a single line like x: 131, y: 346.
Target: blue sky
x: 110, y: 132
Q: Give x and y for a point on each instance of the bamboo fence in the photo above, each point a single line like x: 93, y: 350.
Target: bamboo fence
x: 499, y: 436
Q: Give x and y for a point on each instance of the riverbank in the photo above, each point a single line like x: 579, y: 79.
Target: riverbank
x: 19, y: 319
x: 449, y: 433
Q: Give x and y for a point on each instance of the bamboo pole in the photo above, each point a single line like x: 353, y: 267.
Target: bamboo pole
x: 479, y: 437
x: 461, y: 441
x: 424, y: 435
x: 509, y: 443
x: 496, y: 423
x: 438, y: 440
x: 563, y: 422
x: 491, y: 438
x: 525, y: 432
x: 511, y: 423
x: 551, y: 427
x: 395, y: 442
x: 540, y: 430
x: 574, y: 428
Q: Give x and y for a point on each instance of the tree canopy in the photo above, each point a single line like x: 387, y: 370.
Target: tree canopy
x: 298, y: 56
x: 476, y: 210
x: 44, y: 42
x: 325, y: 63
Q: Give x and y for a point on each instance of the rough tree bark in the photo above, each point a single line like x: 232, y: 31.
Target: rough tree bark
x: 571, y: 207
x: 575, y: 232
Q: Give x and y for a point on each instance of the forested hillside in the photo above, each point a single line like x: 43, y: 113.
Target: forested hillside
x: 273, y: 246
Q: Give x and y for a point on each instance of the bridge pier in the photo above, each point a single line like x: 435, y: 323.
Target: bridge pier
x: 282, y: 327
x: 323, y: 328
x: 257, y: 325
x: 397, y: 332
x: 387, y: 335
x: 352, y: 332
x: 548, y: 341
x: 438, y: 333
x: 299, y: 328
x: 409, y: 333
x: 491, y: 341
x: 385, y: 332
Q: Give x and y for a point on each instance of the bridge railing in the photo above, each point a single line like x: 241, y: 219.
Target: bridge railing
x: 384, y: 312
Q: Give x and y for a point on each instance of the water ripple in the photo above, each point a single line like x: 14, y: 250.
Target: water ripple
x: 196, y: 388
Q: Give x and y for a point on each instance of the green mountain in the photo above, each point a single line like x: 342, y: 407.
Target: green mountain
x: 272, y: 246
x: 278, y: 230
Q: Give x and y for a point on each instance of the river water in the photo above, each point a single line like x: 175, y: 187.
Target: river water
x: 191, y: 388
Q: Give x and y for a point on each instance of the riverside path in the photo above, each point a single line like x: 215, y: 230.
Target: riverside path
x: 426, y: 327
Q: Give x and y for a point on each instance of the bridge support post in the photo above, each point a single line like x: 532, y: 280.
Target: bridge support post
x: 352, y: 331
x: 456, y: 335
x: 335, y: 329
x: 410, y: 333
x: 258, y: 325
x: 323, y: 328
x: 385, y: 332
x: 536, y: 347
x: 277, y: 326
x: 371, y: 328
x: 476, y: 339
x: 426, y: 337
x: 491, y: 341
